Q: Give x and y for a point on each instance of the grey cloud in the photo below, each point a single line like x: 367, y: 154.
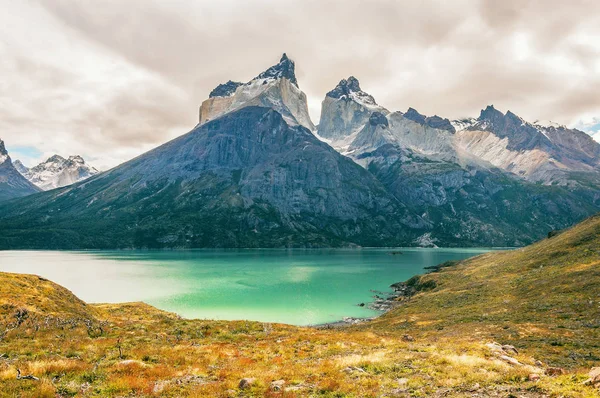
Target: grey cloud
x: 447, y: 58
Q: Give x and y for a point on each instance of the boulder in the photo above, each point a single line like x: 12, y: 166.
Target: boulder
x: 247, y: 382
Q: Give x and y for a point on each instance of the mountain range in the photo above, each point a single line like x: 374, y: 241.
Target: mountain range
x: 57, y: 171
x: 256, y: 172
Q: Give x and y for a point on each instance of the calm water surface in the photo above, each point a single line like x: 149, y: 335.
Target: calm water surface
x: 299, y: 287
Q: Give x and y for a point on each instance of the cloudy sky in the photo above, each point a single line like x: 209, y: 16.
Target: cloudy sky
x: 110, y: 79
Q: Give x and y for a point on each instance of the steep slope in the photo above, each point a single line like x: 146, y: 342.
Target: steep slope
x: 275, y: 88
x: 12, y: 183
x: 543, y: 298
x: 344, y: 112
x: 246, y: 179
x: 523, y: 323
x: 58, y: 172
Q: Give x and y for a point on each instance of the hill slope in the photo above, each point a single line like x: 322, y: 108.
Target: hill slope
x: 543, y: 299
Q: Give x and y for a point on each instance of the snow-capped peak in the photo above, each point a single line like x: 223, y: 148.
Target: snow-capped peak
x: 276, y: 87
x: 349, y: 89
x: 58, y: 172
x: 286, y: 68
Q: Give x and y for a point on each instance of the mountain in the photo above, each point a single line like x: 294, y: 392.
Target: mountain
x: 539, y: 152
x: 12, y: 183
x: 458, y: 187
x: 245, y: 179
x: 276, y: 88
x: 57, y: 172
x: 344, y: 111
x: 21, y: 168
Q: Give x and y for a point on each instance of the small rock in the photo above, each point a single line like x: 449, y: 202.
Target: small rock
x: 352, y: 369
x: 510, y: 360
x: 509, y: 348
x: 555, y: 371
x: 277, y: 385
x: 533, y: 377
x: 594, y: 379
x: 407, y: 337
x: 474, y: 387
x: 402, y: 382
x: 539, y: 363
x: 361, y: 305
x: 247, y: 382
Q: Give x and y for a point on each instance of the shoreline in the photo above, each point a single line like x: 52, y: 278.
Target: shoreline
x: 384, y: 303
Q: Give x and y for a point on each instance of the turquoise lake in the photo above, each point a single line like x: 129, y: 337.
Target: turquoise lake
x: 300, y: 287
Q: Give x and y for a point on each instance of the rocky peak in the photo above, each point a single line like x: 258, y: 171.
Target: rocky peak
x: 286, y: 68
x: 490, y: 114
x: 225, y: 89
x: 415, y: 116
x: 349, y: 89
x: 21, y: 168
x: 378, y: 119
x: 434, y: 122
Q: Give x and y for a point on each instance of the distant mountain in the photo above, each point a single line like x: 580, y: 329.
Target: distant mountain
x: 21, y: 168
x: 12, y: 183
x: 246, y: 179
x: 540, y: 152
x: 57, y: 172
x: 455, y: 175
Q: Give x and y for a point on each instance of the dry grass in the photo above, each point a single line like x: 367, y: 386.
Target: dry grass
x: 544, y: 300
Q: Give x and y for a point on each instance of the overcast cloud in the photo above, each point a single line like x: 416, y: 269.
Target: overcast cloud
x: 110, y: 79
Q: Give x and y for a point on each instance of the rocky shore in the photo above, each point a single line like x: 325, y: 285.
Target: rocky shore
x: 383, y: 302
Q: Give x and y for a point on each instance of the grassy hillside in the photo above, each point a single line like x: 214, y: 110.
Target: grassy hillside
x: 543, y: 300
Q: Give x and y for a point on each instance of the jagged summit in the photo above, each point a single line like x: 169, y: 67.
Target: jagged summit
x: 275, y: 88
x: 349, y: 89
x: 57, y: 172
x: 415, y: 116
x: 490, y: 114
x: 285, y: 68
x: 225, y: 89
x: 435, y: 121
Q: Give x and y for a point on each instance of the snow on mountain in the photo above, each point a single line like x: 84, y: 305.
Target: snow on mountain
x: 275, y: 88
x: 12, y: 183
x: 21, y: 168
x: 58, y: 172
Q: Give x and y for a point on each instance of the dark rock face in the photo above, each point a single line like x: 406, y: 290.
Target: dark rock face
x: 415, y: 116
x: 378, y: 119
x: 470, y: 206
x: 345, y: 87
x: 12, y: 183
x: 247, y: 179
x: 225, y: 89
x: 435, y: 122
x: 285, y: 68
x: 521, y: 135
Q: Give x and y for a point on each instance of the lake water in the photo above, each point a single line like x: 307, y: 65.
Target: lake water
x: 299, y: 287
